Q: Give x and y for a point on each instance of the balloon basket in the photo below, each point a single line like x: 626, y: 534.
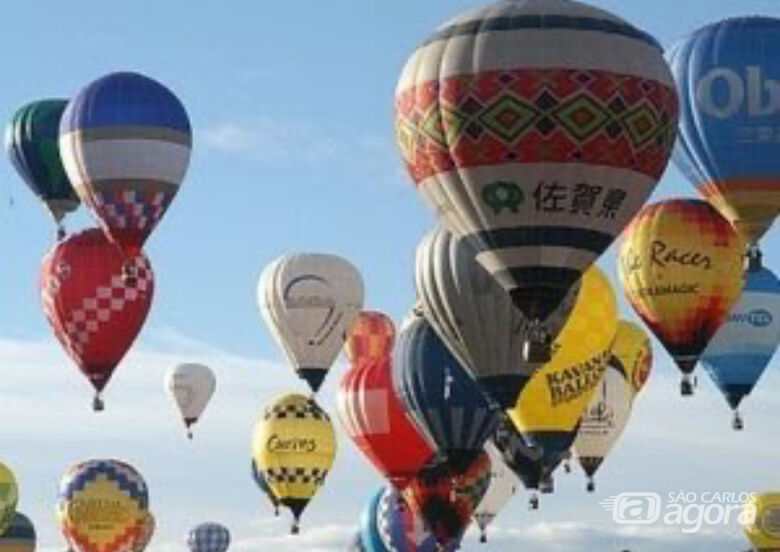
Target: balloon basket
x: 483, y: 538
x: 533, y: 502
x: 591, y: 486
x: 97, y: 404
x: 737, y: 423
x: 686, y: 388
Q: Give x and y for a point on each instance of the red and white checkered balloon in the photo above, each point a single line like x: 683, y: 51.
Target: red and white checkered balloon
x: 95, y: 309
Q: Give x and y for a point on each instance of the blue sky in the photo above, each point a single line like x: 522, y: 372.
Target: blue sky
x: 292, y: 109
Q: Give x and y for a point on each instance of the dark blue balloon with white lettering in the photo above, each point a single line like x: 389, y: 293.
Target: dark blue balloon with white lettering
x: 443, y: 400
x: 743, y: 347
x: 728, y: 79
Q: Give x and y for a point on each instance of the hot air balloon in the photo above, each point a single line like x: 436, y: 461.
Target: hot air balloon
x: 9, y: 496
x: 604, y: 420
x: 446, y: 499
x: 262, y: 484
x: 760, y: 520
x: 86, y: 522
x: 371, y: 338
x: 726, y: 77
x: 125, y: 142
x: 356, y: 544
x: 32, y: 144
x: 95, y: 311
x: 374, y: 418
x: 743, y: 347
x: 19, y: 536
x: 522, y: 457
x: 401, y: 530
x: 549, y: 409
x: 475, y: 317
x: 145, y: 535
x: 444, y: 402
x: 191, y: 387
x: 369, y: 528
x: 633, y: 352
x: 536, y: 130
x: 310, y: 302
x: 209, y: 537
x: 293, y: 447
x: 503, y: 486
x: 681, y: 268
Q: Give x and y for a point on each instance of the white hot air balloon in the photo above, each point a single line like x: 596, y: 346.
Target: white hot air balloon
x: 503, y: 486
x: 475, y: 317
x: 604, y: 420
x: 310, y: 302
x: 191, y: 387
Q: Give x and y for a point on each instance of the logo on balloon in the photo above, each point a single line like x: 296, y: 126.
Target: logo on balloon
x: 723, y: 92
x: 293, y: 444
x: 758, y: 318
x: 503, y: 195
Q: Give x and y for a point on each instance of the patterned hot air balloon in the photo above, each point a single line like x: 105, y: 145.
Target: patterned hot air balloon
x: 743, y: 347
x: 604, y: 420
x: 293, y: 447
x: 310, y: 302
x: 550, y: 407
x: 727, y: 76
x: 475, y: 317
x: 145, y: 535
x: 86, y: 522
x: 31, y: 140
x: 19, y: 536
x: 537, y: 129
x: 503, y: 486
x: 209, y: 537
x: 446, y: 500
x: 9, y: 496
x: 761, y: 522
x: 632, y: 350
x: 262, y: 484
x: 96, y: 312
x: 125, y: 142
x: 191, y: 387
x: 443, y: 400
x: 370, y: 538
x: 371, y: 338
x: 681, y: 268
x: 401, y: 530
x: 375, y: 419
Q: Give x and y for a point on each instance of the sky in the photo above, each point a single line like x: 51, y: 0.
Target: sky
x: 291, y: 105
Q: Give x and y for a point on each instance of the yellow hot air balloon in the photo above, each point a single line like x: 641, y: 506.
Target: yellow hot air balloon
x: 103, y: 506
x: 634, y: 353
x: 762, y: 525
x: 551, y: 405
x: 681, y: 264
x: 9, y: 496
x: 293, y: 447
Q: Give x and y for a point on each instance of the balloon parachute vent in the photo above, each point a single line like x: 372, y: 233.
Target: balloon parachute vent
x: 97, y: 404
x: 737, y: 424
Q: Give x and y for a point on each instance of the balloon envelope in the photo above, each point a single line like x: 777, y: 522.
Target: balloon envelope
x: 681, y: 267
x: 88, y: 487
x: 371, y: 338
x: 310, y: 302
x: 743, y: 347
x: 503, y: 486
x: 191, y: 387
x: 31, y: 141
x: 19, y: 536
x: 764, y: 531
x: 727, y: 76
x: 125, y: 142
x: 9, y: 496
x: 94, y: 309
x: 209, y: 537
x: 443, y: 400
x: 475, y: 317
x: 537, y: 130
x: 401, y: 530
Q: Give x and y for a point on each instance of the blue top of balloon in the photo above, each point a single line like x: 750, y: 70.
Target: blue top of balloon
x: 728, y: 79
x: 125, y: 99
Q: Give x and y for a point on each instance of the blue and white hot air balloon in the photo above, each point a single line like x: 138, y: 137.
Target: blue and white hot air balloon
x: 743, y: 347
x: 125, y: 143
x: 728, y: 80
